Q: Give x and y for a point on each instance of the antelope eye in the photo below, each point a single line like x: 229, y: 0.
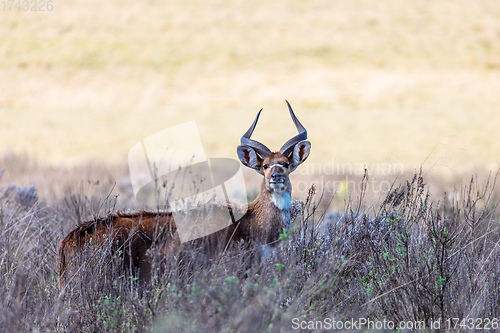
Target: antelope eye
x: 266, y: 166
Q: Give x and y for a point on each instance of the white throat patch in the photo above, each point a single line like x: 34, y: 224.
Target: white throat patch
x: 282, y: 201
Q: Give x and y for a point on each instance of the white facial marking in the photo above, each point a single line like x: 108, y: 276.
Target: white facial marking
x: 275, y: 165
x: 282, y: 201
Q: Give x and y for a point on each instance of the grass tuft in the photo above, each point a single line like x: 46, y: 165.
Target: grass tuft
x: 409, y: 258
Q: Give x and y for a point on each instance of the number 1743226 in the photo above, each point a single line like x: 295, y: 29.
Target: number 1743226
x: 27, y: 5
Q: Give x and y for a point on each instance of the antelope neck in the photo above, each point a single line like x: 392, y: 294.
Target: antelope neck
x: 281, y: 200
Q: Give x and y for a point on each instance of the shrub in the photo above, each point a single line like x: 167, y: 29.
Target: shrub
x: 410, y: 258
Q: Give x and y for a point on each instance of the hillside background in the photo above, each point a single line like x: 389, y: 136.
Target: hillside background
x: 404, y: 84
x: 388, y: 85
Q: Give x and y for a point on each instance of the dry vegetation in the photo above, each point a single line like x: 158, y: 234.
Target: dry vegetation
x: 412, y: 256
x: 387, y: 84
x: 386, y: 81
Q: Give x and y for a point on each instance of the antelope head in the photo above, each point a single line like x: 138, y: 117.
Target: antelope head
x: 275, y: 166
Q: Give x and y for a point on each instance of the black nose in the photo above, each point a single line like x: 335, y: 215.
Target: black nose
x: 276, y: 177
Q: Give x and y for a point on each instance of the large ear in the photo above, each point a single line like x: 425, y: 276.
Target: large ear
x: 249, y: 157
x: 300, y: 153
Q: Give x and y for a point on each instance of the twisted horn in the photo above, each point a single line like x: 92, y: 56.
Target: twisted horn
x: 261, y: 149
x: 290, y: 144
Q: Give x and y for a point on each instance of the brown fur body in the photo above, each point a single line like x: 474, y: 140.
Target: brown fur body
x: 135, y: 233
x: 132, y: 235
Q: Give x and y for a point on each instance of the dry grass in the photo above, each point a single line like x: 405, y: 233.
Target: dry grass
x: 374, y: 82
x: 389, y: 84
x: 407, y: 256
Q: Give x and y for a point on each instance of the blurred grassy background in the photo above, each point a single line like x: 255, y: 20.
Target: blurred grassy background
x: 374, y: 82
